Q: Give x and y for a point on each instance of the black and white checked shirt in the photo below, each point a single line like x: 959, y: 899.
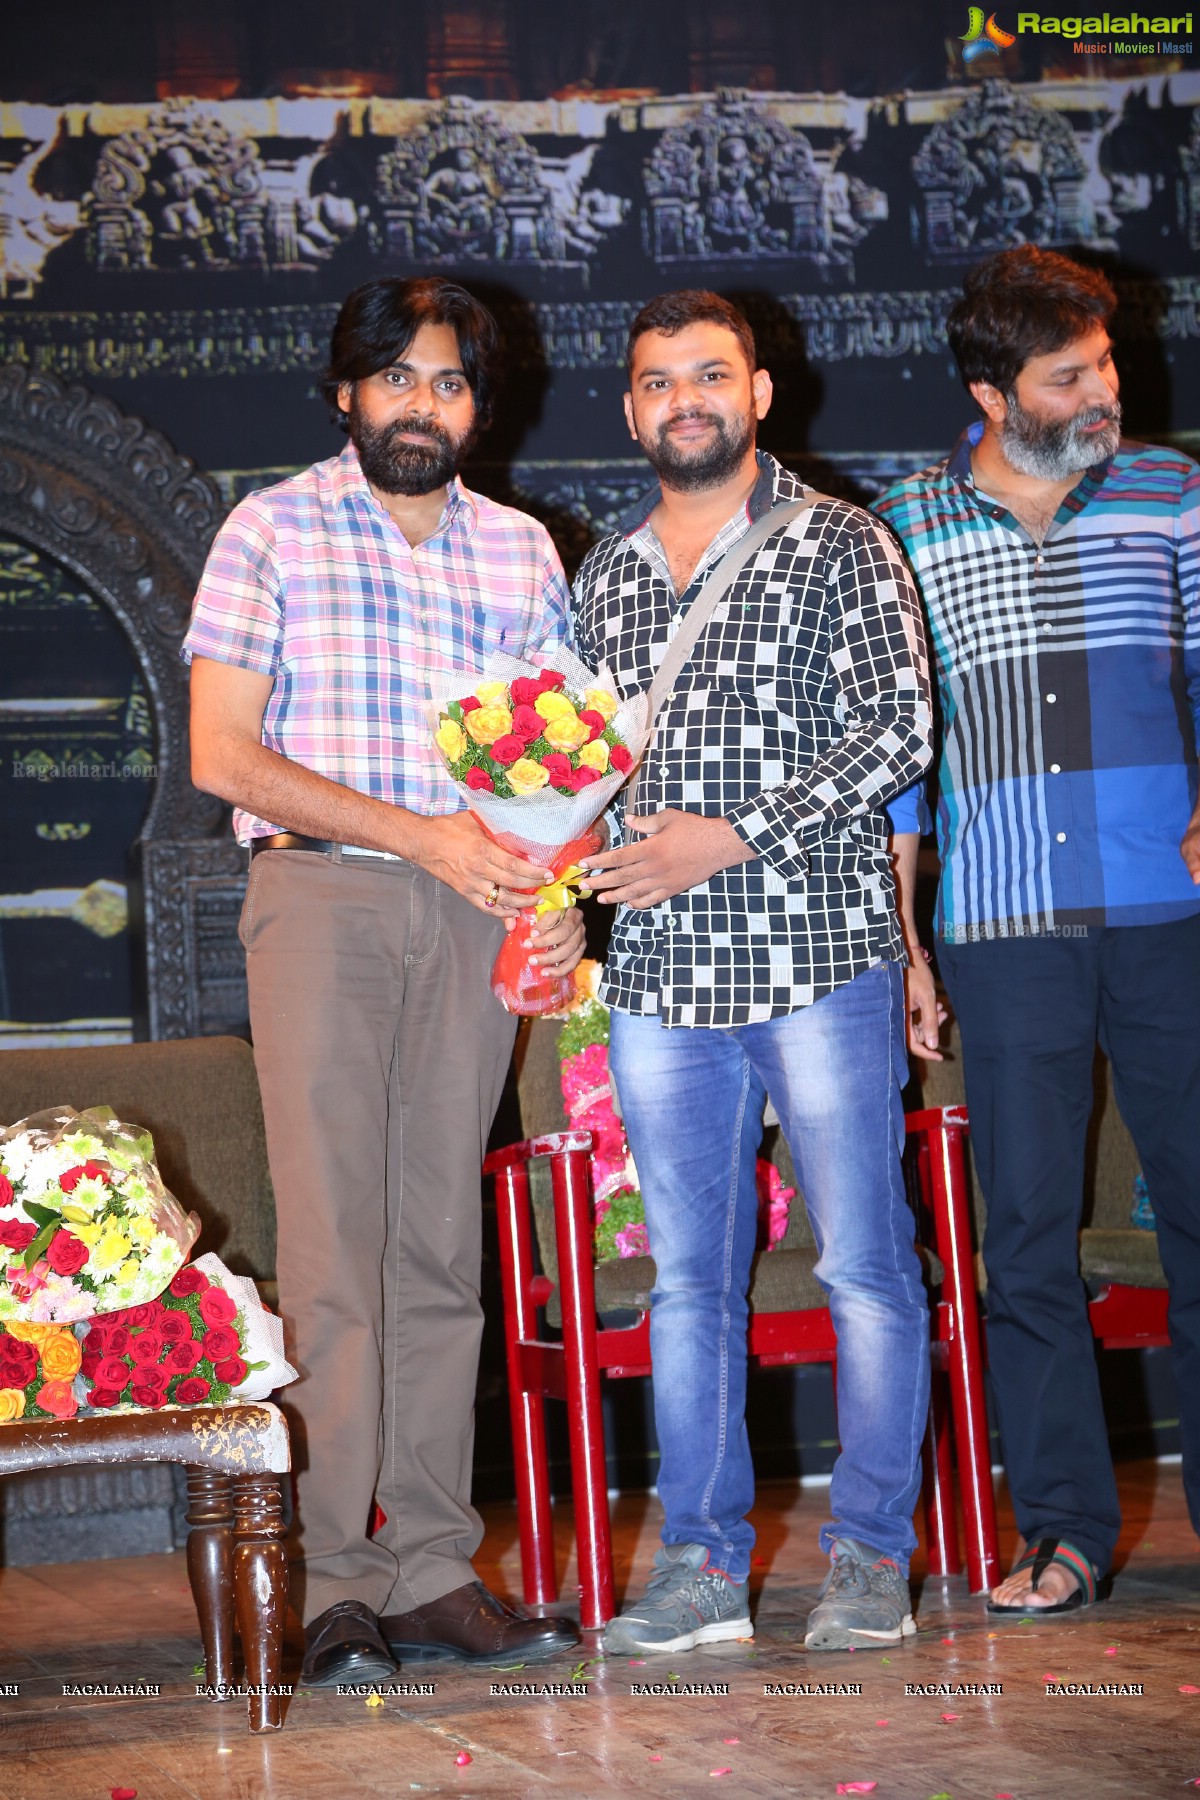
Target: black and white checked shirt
x: 803, y: 708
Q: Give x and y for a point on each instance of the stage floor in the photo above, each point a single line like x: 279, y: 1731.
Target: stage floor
x: 132, y: 1622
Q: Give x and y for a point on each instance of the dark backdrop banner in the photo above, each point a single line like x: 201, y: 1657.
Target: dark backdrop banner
x: 187, y: 190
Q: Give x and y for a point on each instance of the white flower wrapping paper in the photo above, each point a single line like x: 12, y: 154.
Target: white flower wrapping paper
x: 262, y: 1333
x: 547, y: 819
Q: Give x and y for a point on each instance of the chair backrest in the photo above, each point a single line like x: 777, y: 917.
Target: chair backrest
x: 199, y: 1099
x: 1112, y: 1161
x: 539, y: 1093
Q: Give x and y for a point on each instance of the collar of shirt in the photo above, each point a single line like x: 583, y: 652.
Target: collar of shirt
x: 636, y: 527
x: 351, y: 488
x: 958, y: 469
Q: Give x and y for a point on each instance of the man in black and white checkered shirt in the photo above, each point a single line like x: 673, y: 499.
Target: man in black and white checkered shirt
x: 756, y: 951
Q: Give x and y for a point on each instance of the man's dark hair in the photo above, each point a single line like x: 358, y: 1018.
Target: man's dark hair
x: 379, y: 321
x: 1019, y: 304
x: 671, y: 313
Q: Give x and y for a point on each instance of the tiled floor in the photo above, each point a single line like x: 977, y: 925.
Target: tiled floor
x: 132, y: 1622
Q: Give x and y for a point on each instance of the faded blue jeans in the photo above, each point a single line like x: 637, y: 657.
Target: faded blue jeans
x: 693, y: 1102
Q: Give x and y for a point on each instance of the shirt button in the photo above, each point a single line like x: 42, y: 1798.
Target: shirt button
x: 1046, y: 625
x: 1050, y: 699
x: 1060, y: 837
x: 1056, y: 768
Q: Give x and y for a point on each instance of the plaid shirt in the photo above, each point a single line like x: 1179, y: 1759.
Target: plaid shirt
x: 1069, y: 675
x: 803, y: 708
x: 313, y: 583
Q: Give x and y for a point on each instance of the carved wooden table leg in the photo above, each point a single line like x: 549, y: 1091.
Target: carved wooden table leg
x: 260, y: 1586
x: 210, y: 1569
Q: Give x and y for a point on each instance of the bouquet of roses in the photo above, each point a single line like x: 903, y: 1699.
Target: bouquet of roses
x: 38, y: 1365
x: 204, y: 1341
x: 537, y: 754
x: 86, y: 1225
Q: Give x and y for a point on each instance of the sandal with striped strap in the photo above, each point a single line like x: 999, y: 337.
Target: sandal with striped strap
x: 1038, y: 1559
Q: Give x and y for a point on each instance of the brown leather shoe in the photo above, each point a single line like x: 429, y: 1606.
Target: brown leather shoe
x: 471, y: 1625
x: 344, y: 1643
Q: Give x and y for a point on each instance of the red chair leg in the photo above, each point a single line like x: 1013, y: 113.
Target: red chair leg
x: 948, y: 1183
x: 937, y: 1465
x: 573, y: 1226
x: 530, y: 1456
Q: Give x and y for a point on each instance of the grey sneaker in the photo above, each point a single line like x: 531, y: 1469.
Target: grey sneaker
x: 864, y: 1602
x: 685, y: 1604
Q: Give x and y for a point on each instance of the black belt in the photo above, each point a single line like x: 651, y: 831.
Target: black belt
x: 291, y: 840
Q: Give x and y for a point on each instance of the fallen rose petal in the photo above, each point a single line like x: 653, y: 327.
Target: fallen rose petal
x: 463, y: 1758
x: 731, y: 1740
x: 123, y: 1793
x: 654, y: 1759
x: 948, y: 1640
x: 1111, y: 1651
x: 1049, y: 1677
x: 883, y: 1721
x: 720, y: 1771
x: 949, y: 1718
x: 1188, y: 1689
x: 857, y: 1787
x: 373, y: 1700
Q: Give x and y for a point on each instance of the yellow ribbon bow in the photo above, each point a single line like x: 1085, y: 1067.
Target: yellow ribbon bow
x: 557, y: 895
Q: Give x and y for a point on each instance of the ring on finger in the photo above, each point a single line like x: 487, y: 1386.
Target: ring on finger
x: 492, y: 895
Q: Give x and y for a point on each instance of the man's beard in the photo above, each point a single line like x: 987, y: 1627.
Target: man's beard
x: 1054, y: 450
x: 395, y: 467
x: 717, y: 462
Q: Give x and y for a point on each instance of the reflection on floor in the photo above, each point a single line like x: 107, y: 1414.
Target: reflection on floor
x: 129, y: 1622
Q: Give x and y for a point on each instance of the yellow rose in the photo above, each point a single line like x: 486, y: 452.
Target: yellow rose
x: 566, y: 734
x: 595, y: 756
x: 526, y: 776
x: 450, y: 740
x: 601, y: 701
x: 27, y: 1331
x: 554, y: 706
x: 487, y: 723
x: 12, y: 1404
x: 492, y: 693
x: 61, y: 1355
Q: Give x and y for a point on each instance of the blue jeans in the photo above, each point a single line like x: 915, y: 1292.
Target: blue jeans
x: 693, y: 1102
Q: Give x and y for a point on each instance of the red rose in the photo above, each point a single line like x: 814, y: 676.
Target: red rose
x: 67, y: 1253
x: 6, y: 1190
x: 558, y: 767
x: 182, y: 1357
x: 232, y: 1373
x: 19, y: 1362
x: 97, y: 1337
x: 216, y: 1308
x: 550, y: 678
x: 527, y: 725
x: 470, y: 703
x: 219, y: 1343
x: 594, y: 722
x: 581, y: 778
x: 97, y: 1172
x: 118, y: 1341
x: 188, y: 1281
x: 70, y: 1181
x: 146, y: 1347
x: 147, y: 1396
x: 146, y: 1314
x: 153, y: 1376
x: 620, y: 758
x: 15, y: 1234
x: 91, y: 1362
x: 479, y: 778
x: 118, y: 1317
x: 174, y: 1325
x: 57, y: 1398
x: 507, y: 749
x: 103, y: 1397
x: 524, y: 692
x: 192, y: 1391
x: 112, y: 1372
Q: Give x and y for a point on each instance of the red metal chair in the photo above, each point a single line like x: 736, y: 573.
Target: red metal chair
x: 541, y: 1367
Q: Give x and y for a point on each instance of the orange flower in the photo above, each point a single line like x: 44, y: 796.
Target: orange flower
x: 61, y: 1356
x: 29, y: 1332
x: 57, y: 1398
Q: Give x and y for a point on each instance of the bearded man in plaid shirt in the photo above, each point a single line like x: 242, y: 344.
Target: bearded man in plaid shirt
x: 329, y: 609
x: 756, y: 951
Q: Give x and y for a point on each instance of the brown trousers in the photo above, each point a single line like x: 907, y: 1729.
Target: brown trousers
x: 381, y: 1054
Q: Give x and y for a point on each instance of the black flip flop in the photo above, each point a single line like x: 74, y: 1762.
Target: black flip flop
x: 1055, y: 1550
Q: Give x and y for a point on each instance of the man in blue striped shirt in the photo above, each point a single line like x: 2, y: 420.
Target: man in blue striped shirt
x: 1060, y: 570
